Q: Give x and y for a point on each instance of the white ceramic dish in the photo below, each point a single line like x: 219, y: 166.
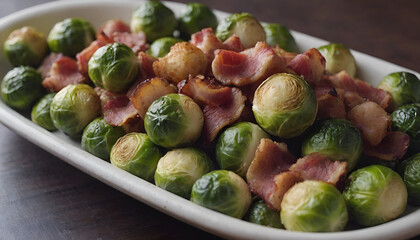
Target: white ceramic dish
x: 43, y: 17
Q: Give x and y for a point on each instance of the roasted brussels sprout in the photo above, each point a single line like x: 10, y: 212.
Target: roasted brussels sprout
x: 21, y: 87
x: 26, y: 46
x: 410, y: 172
x: 336, y: 138
x: 195, y: 17
x: 236, y: 146
x: 260, y: 213
x: 160, y: 47
x: 174, y: 120
x: 407, y: 119
x: 178, y: 170
x: 154, y: 19
x: 375, y: 194
x: 113, y: 67
x: 223, y: 191
x: 74, y: 107
x: 41, y: 112
x: 99, y: 137
x: 243, y: 25
x: 70, y: 36
x: 136, y: 154
x: 403, y: 87
x: 277, y: 34
x: 338, y: 58
x: 285, y: 105
x: 314, y: 206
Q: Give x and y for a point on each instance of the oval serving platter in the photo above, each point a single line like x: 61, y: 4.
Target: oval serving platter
x: 44, y: 16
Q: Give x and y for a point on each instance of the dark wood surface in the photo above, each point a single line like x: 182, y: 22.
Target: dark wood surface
x: 41, y: 197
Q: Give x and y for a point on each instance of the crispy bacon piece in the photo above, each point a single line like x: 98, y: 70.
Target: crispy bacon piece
x: 310, y: 65
x: 287, y: 56
x: 146, y: 62
x: 46, y: 65
x: 136, y: 41
x: 377, y: 95
x: 84, y: 56
x: 64, y: 71
x: 113, y: 26
x: 392, y: 147
x: 330, y: 104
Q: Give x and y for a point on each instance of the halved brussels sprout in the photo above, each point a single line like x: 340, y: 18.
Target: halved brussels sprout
x: 261, y: 214
x: 174, y: 120
x: 236, y: 146
x: 160, y: 47
x: 70, y: 36
x: 337, y: 139
x: 223, y: 191
x: 113, y: 67
x: 99, y: 137
x: 313, y: 206
x: 277, y: 34
x: 410, y: 172
x: 26, y: 46
x: 21, y: 87
x: 338, y: 58
x: 375, y: 194
x: 154, y: 19
x: 136, y: 154
x: 403, y: 87
x: 194, y: 17
x: 243, y: 25
x: 41, y: 112
x: 285, y: 105
x: 407, y: 119
x: 178, y: 170
x: 74, y: 107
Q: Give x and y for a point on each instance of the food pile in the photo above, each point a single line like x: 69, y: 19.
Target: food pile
x: 228, y: 114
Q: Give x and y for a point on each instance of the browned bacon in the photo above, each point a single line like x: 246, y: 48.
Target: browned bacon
x: 310, y: 65
x: 330, y: 104
x: 392, y: 147
x: 64, y: 71
x: 377, y: 95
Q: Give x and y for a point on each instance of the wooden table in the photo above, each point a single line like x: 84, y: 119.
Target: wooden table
x: 41, y: 197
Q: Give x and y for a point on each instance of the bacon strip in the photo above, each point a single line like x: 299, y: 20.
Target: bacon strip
x: 310, y: 65
x: 113, y: 26
x: 84, y: 56
x: 330, y: 104
x: 64, y: 71
x: 392, y: 147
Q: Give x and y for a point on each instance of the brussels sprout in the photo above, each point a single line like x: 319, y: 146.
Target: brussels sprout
x: 277, y: 34
x: 375, y: 194
x: 70, y: 36
x: 178, y: 170
x: 154, y: 19
x: 407, y: 119
x: 403, y: 87
x: 26, y: 46
x: 314, y: 206
x: 285, y: 105
x: 174, y: 120
x: 410, y: 172
x: 336, y: 138
x: 260, y: 213
x: 195, y: 17
x: 236, y: 146
x: 74, y: 107
x: 243, y: 25
x: 99, y: 137
x: 338, y: 58
x: 41, y: 112
x: 162, y: 46
x: 223, y: 191
x: 21, y: 87
x: 113, y: 67
x: 136, y: 154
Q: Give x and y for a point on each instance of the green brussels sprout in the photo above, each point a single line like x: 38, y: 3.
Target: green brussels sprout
x: 41, y: 112
x: 26, y: 46
x: 194, y: 17
x: 236, y: 146
x: 174, y: 120
x: 223, y: 191
x: 337, y: 139
x: 21, y: 87
x: 113, y: 67
x: 410, y: 172
x: 243, y: 25
x: 178, y: 170
x: 285, y: 105
x: 74, y: 107
x: 261, y: 214
x: 338, y: 58
x: 136, y: 154
x: 403, y: 87
x: 375, y: 194
x: 70, y: 36
x: 313, y: 206
x: 99, y: 137
x: 160, y: 47
x: 154, y: 19
x: 277, y: 34
x: 407, y: 119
